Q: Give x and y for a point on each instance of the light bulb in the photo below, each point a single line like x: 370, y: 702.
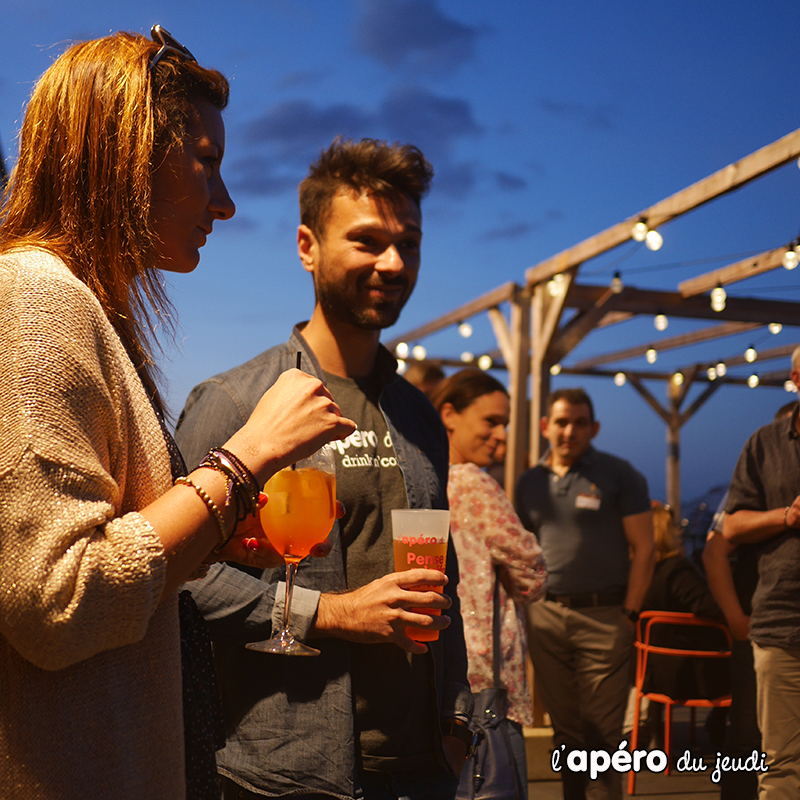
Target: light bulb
x: 677, y: 378
x: 790, y: 259
x: 789, y: 386
x: 750, y: 355
x: 661, y: 322
x: 485, y: 362
x: 467, y: 357
x: 752, y: 381
x: 419, y: 352
x: 718, y: 298
x: 620, y: 379
x: 712, y: 374
x: 775, y: 327
x: 555, y: 369
x: 653, y: 240
x: 401, y: 351
x: 616, y: 284
x: 639, y: 231
x: 721, y: 369
x: 465, y: 329
x: 651, y: 355
x: 401, y: 366
x: 554, y: 285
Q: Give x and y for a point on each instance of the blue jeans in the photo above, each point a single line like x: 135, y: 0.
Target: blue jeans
x: 421, y: 784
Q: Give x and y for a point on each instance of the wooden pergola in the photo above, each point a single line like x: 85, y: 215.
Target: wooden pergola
x: 534, y: 338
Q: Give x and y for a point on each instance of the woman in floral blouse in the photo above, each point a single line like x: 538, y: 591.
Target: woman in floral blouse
x: 487, y: 533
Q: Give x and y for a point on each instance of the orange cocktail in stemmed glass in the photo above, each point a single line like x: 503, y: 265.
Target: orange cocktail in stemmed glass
x: 298, y: 515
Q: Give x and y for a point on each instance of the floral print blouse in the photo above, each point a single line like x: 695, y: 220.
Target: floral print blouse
x: 487, y: 532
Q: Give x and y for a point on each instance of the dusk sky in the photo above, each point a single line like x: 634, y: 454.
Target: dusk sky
x: 546, y: 122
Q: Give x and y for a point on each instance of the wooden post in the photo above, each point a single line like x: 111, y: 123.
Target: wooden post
x: 519, y: 369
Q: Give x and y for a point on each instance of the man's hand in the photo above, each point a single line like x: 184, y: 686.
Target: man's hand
x: 381, y: 610
x: 455, y: 751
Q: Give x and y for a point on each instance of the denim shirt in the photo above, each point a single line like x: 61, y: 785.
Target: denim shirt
x: 289, y: 721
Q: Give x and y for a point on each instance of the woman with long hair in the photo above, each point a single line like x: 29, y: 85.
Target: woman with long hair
x: 118, y: 177
x: 489, y: 540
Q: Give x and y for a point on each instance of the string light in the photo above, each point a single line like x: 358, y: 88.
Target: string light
x: 401, y: 366
x: 651, y: 355
x: 620, y: 379
x: 718, y: 298
x: 554, y: 285
x: 721, y: 369
x: 750, y: 355
x: 752, y: 381
x: 712, y: 374
x: 401, y: 351
x: 555, y: 369
x: 419, y: 352
x: 791, y: 258
x: 465, y: 329
x: 616, y: 284
x: 789, y: 386
x: 639, y: 231
x: 774, y: 328
x: 678, y: 379
x: 467, y: 357
x: 660, y: 321
x: 653, y: 240
x: 485, y: 362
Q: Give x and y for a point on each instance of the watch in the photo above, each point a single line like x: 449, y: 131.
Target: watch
x: 632, y: 615
x: 460, y: 729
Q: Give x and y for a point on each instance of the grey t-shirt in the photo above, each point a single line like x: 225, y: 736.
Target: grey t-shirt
x: 767, y: 476
x: 392, y: 690
x: 578, y: 520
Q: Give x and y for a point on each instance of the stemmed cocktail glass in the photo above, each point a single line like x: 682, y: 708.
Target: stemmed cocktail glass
x: 298, y: 515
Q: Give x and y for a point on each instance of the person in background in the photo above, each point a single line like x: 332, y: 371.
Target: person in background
x: 678, y: 586
x: 490, y: 540
x: 588, y: 509
x: 118, y: 178
x: 732, y: 574
x: 376, y: 714
x: 426, y: 377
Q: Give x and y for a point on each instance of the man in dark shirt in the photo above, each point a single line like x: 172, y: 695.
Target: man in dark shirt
x: 587, y: 508
x: 764, y: 508
x: 375, y: 713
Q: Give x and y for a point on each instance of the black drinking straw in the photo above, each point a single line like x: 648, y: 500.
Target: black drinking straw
x: 299, y: 357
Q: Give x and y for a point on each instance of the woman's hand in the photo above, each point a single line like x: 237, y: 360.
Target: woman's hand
x: 293, y: 419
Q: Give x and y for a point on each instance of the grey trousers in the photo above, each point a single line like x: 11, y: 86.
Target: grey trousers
x: 582, y: 661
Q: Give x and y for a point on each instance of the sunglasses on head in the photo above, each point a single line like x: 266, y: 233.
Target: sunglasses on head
x: 169, y: 44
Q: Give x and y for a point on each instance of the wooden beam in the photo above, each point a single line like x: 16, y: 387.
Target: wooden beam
x: 703, y: 335
x: 483, y: 303
x: 579, y: 327
x: 501, y: 333
x: 741, y: 270
x: 673, y: 304
x: 519, y: 366
x: 637, y: 384
x: 721, y: 182
x: 698, y: 403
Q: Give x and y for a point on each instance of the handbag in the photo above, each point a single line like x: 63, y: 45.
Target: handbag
x: 491, y: 772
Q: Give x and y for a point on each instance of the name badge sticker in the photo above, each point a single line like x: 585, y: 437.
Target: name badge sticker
x: 589, y: 500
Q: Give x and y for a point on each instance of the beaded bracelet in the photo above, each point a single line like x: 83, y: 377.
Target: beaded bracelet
x: 224, y: 538
x: 242, y: 484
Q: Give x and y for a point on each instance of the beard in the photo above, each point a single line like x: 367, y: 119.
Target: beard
x: 347, y: 303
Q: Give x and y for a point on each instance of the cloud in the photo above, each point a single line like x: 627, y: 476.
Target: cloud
x: 414, y: 34
x: 513, y: 231
x: 258, y: 175
x: 508, y: 182
x: 454, y: 180
x: 302, y: 79
x: 597, y: 118
x: 296, y: 126
x: 416, y: 115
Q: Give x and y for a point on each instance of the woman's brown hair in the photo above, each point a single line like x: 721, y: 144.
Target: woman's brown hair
x: 463, y: 388
x: 97, y: 124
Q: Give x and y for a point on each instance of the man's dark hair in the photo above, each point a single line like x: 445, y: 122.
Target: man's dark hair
x: 371, y: 166
x: 575, y: 397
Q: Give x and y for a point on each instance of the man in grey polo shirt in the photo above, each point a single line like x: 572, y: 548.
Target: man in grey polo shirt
x: 764, y: 509
x: 588, y: 509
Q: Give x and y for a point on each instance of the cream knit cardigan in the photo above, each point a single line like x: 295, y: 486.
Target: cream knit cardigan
x: 90, y: 680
